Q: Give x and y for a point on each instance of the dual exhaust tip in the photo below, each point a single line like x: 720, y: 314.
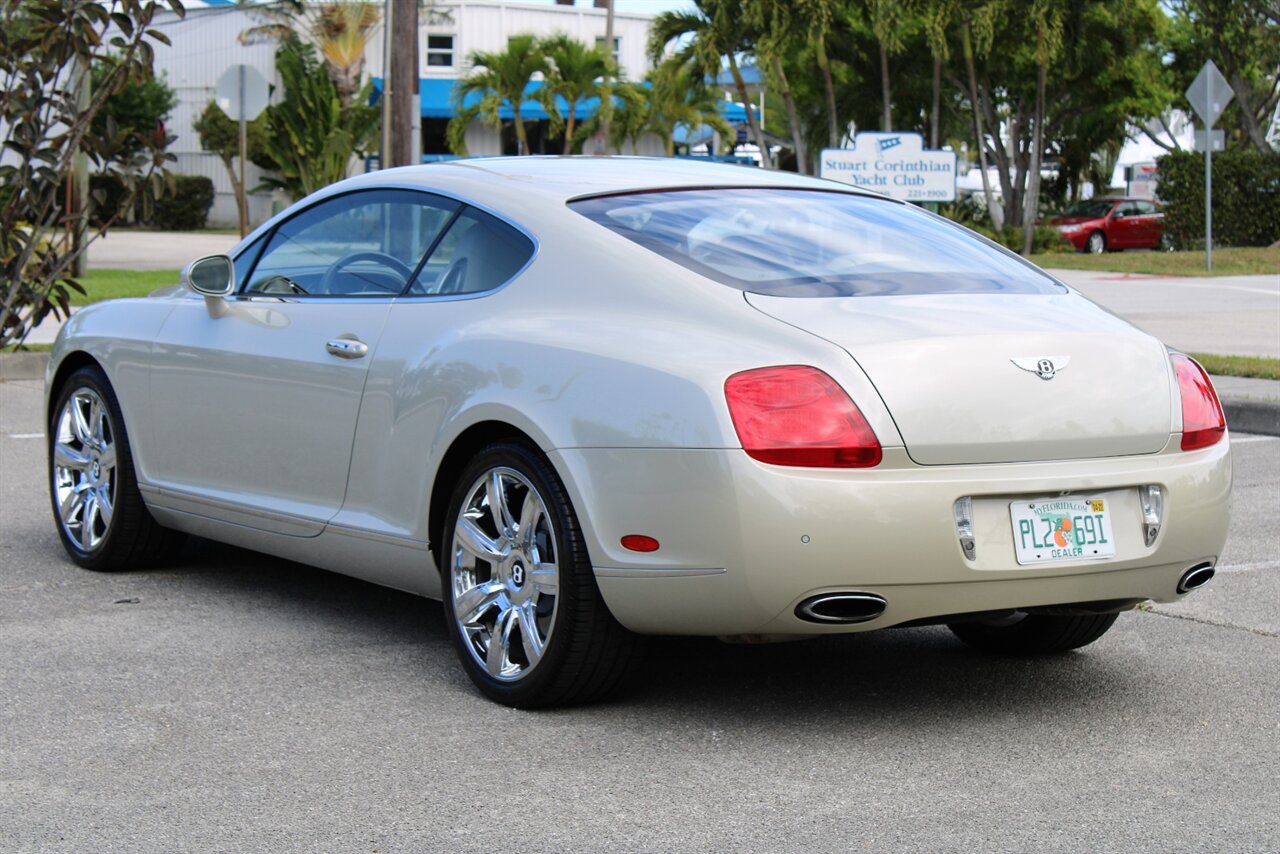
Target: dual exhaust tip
x: 851, y: 608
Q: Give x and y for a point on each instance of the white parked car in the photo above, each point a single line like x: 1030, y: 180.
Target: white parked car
x: 583, y: 400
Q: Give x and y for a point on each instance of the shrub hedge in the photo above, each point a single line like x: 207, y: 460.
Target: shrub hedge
x: 184, y: 207
x: 1246, y: 197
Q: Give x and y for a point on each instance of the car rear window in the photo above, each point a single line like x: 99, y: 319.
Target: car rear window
x: 806, y: 243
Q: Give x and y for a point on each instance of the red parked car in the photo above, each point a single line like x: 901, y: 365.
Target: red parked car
x: 1103, y: 224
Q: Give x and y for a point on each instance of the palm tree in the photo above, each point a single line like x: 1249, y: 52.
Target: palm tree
x: 717, y: 31
x: 500, y: 79
x: 679, y: 96
x: 575, y: 72
x: 340, y: 29
x: 778, y: 33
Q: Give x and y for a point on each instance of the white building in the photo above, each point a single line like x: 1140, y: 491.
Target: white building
x: 208, y: 41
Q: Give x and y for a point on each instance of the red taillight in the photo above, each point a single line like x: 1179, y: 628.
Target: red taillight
x: 795, y: 415
x: 1202, y: 421
x: 639, y: 543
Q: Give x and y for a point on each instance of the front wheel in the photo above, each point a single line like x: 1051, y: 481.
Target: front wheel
x: 101, y: 518
x: 520, y: 597
x: 1033, y: 634
x: 1097, y: 243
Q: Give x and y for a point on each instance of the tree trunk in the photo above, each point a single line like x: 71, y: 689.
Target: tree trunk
x: 404, y: 82
x: 935, y: 110
x: 797, y: 133
x: 1032, y: 206
x: 829, y: 91
x: 756, y: 131
x: 886, y: 121
x: 568, y: 129
x: 992, y: 208
x: 522, y: 141
x: 242, y: 202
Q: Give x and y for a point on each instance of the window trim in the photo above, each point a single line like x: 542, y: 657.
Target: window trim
x: 439, y: 51
x: 268, y: 229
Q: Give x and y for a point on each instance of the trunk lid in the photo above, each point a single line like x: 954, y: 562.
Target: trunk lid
x: 961, y: 374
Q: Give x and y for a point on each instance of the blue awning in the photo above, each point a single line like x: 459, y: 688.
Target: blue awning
x: 435, y: 94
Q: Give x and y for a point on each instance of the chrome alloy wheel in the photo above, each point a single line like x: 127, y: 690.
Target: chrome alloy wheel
x: 84, y: 469
x: 503, y: 574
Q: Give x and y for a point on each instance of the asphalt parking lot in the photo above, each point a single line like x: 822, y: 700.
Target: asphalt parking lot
x: 236, y: 702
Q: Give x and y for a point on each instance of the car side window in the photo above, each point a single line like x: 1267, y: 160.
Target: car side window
x: 1145, y: 208
x: 478, y: 253
x: 244, y: 261
x: 364, y: 244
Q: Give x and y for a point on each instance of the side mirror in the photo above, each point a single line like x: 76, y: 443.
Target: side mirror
x: 214, y: 276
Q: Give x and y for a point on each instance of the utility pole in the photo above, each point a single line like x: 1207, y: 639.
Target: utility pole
x: 606, y: 101
x: 384, y: 150
x: 404, y: 83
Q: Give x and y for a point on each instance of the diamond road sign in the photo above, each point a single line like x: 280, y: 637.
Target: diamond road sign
x: 250, y: 92
x: 1209, y: 93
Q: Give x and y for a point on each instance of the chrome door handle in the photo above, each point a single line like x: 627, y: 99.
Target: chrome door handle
x: 347, y: 348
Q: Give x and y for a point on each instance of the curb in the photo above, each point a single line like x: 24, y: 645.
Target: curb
x: 1244, y: 415
x: 1252, y: 416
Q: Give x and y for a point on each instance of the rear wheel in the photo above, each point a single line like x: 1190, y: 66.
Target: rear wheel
x: 102, y: 521
x: 520, y: 596
x: 1033, y: 634
x: 1096, y: 244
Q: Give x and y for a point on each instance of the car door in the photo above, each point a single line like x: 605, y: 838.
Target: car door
x: 255, y: 399
x: 1150, y: 224
x: 1126, y: 226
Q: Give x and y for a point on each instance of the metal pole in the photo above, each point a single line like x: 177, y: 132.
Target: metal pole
x: 243, y: 203
x: 385, y: 153
x: 1208, y: 181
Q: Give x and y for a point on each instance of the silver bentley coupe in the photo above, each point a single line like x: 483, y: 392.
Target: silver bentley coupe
x: 584, y: 400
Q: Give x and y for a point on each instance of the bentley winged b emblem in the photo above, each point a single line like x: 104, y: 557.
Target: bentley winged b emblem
x: 1045, y: 367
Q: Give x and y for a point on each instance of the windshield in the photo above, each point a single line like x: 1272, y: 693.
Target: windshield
x: 805, y: 243
x: 1090, y: 208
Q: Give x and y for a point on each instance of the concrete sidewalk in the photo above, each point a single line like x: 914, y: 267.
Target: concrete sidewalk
x: 156, y: 250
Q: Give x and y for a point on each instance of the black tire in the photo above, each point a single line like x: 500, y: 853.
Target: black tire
x: 1166, y: 243
x: 128, y: 537
x: 1034, y: 634
x: 1096, y: 244
x: 585, y: 653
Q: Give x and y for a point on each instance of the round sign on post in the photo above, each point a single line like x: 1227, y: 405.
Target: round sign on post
x: 242, y: 93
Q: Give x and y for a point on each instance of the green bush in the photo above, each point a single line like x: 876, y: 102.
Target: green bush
x: 186, y: 206
x: 1246, y: 197
x: 1046, y: 239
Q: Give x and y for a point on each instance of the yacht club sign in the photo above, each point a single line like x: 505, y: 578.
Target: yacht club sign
x: 896, y: 164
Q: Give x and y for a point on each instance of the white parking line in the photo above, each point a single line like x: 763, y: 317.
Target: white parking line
x: 24, y: 436
x: 1245, y: 439
x: 1248, y: 567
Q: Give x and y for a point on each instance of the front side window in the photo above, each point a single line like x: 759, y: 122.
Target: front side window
x: 478, y: 253
x: 440, y: 51
x: 805, y: 243
x: 364, y: 244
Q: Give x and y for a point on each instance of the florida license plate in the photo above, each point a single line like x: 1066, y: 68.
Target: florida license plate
x: 1048, y: 530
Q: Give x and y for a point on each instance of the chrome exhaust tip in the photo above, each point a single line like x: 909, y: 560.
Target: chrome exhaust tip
x: 841, y: 608
x: 1195, y: 577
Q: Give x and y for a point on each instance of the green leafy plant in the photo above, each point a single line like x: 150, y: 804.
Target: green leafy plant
x: 221, y: 134
x: 1246, y: 197
x: 310, y: 135
x: 47, y: 48
x: 187, y: 207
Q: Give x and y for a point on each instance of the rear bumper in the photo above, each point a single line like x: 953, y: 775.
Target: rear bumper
x: 743, y: 543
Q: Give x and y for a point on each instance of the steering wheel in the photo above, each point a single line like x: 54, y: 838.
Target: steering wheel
x: 394, y: 264
x: 454, y: 279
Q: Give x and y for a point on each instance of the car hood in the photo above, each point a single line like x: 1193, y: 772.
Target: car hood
x: 958, y: 373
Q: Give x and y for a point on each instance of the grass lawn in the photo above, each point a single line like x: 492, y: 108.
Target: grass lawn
x: 113, y: 284
x: 1240, y: 366
x: 1252, y: 261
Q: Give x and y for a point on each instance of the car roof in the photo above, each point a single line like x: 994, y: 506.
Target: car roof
x: 560, y: 179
